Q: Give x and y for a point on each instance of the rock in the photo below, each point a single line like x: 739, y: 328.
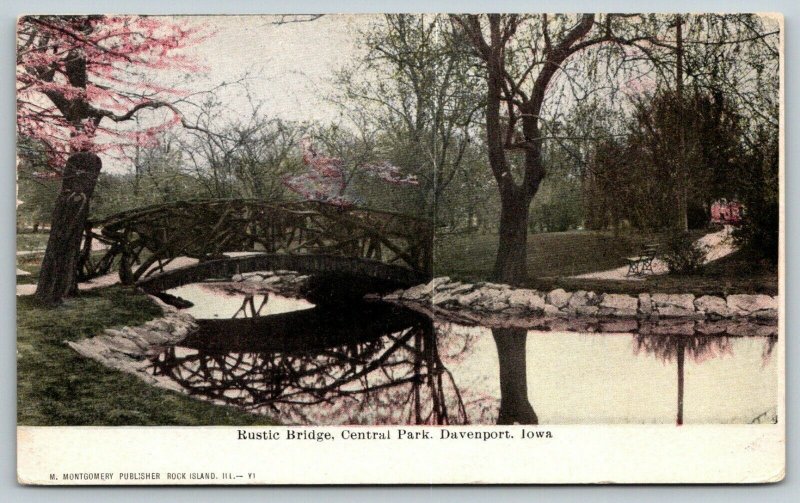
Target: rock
x: 578, y: 299
x: 436, y: 283
x: 493, y: 300
x: 558, y: 298
x: 471, y: 298
x: 526, y: 299
x: 515, y: 311
x: 551, y: 310
x: 744, y: 305
x: 674, y: 305
x: 586, y: 310
x: 494, y: 304
x: 765, y: 314
x: 237, y: 277
x: 465, y: 288
x: 417, y: 292
x: 645, y: 304
x: 444, y: 284
x: 393, y: 295
x: 448, y: 287
x: 712, y: 306
x: 442, y: 298
x: 623, y: 306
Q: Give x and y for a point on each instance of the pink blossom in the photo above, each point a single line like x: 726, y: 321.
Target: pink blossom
x: 117, y: 50
x: 326, y: 178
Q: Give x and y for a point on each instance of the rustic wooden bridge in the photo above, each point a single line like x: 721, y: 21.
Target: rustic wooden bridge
x: 309, y: 237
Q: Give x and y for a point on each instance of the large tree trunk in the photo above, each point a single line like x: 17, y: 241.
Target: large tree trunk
x: 514, y: 404
x: 512, y: 250
x: 57, y: 278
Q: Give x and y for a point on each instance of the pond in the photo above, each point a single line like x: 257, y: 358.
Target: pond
x: 375, y: 363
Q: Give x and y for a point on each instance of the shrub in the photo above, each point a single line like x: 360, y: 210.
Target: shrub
x: 683, y: 255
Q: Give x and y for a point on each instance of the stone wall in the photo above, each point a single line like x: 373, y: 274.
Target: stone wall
x: 490, y: 301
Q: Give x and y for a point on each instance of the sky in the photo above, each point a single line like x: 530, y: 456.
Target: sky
x: 289, y: 67
x: 292, y: 64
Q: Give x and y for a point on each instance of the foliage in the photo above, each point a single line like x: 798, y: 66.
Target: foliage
x: 416, y: 95
x: 242, y: 156
x: 558, y: 207
x: 639, y: 177
x: 36, y: 194
x: 759, y: 192
x: 682, y: 254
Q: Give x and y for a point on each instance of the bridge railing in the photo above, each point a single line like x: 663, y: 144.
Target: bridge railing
x: 144, y: 240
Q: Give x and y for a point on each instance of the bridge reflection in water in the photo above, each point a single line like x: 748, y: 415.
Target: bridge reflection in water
x: 379, y: 364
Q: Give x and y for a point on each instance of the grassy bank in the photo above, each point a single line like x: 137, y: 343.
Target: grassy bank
x: 554, y: 257
x: 56, y: 386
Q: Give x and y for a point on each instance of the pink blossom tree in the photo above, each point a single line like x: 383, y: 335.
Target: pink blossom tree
x: 327, y: 178
x: 78, y: 78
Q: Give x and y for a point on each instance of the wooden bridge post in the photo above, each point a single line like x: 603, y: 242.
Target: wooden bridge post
x: 125, y: 268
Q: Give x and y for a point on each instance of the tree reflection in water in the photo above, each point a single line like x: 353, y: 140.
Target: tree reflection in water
x: 377, y: 365
x: 514, y: 404
x: 699, y: 348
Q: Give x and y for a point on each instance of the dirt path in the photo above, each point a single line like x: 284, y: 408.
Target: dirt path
x: 108, y: 279
x: 718, y: 244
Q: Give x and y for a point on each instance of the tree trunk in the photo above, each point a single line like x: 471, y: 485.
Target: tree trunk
x: 512, y: 250
x: 58, y: 276
x: 683, y: 188
x: 514, y: 404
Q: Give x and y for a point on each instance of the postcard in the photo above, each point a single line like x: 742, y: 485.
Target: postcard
x: 400, y: 249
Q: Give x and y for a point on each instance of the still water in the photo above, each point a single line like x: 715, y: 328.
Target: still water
x: 379, y: 364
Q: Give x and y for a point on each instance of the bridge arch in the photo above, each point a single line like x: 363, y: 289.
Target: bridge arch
x: 392, y: 276
x: 306, y: 236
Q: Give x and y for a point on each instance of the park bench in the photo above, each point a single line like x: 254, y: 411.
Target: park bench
x: 642, y: 263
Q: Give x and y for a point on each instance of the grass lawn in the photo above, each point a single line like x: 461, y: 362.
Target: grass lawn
x: 549, y: 255
x: 32, y: 241
x: 56, y: 386
x: 553, y: 257
x: 31, y: 264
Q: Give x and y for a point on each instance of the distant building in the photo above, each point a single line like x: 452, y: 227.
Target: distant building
x: 727, y: 212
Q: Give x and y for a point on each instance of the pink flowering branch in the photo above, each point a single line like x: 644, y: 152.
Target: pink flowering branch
x: 326, y: 178
x: 77, y: 76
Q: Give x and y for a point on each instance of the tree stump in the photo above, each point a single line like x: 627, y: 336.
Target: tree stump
x: 58, y: 276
